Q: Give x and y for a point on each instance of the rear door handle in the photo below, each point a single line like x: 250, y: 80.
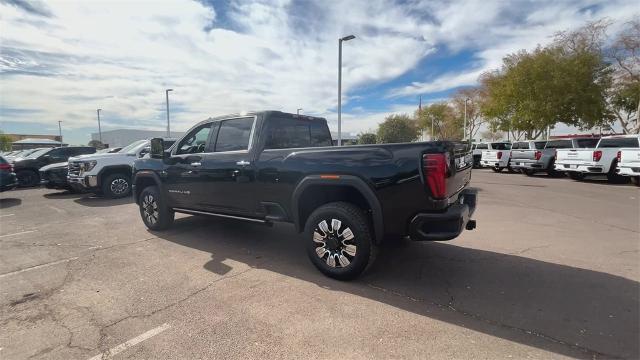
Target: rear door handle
x: 196, y: 164
x: 243, y: 163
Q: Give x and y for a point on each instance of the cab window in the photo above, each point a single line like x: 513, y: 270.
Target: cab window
x: 234, y: 135
x: 196, y: 141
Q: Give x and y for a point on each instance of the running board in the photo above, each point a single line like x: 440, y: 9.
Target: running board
x: 197, y: 212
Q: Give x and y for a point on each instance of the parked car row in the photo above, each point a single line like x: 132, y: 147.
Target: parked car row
x: 617, y: 157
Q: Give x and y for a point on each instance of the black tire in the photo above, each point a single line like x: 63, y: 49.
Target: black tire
x: 116, y: 185
x: 635, y: 180
x: 28, y: 178
x: 613, y: 177
x: 154, y: 212
x: 510, y: 169
x: 551, y: 170
x: 528, y: 172
x: 351, y: 253
x: 575, y: 175
x: 496, y: 169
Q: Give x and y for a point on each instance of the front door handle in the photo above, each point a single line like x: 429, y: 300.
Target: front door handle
x: 243, y: 163
x: 196, y: 164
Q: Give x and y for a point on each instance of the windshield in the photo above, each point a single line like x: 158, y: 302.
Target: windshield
x: 131, y: 148
x: 37, y: 153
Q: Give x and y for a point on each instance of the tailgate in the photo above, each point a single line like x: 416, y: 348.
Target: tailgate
x: 491, y: 155
x: 630, y: 157
x: 460, y: 175
x: 523, y: 154
x: 574, y: 156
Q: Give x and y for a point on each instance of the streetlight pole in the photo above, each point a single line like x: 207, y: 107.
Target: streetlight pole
x: 346, y: 38
x: 298, y: 111
x: 168, y: 124
x: 60, y: 131
x: 99, y: 129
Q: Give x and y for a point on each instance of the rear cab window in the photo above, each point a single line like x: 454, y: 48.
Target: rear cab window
x: 586, y: 143
x: 287, y: 133
x: 621, y: 142
x: 520, y: 145
x: 559, y: 144
x: 500, y: 146
x: 482, y: 147
x: 540, y: 145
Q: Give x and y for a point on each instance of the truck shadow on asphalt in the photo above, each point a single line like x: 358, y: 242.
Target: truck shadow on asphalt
x: 6, y: 203
x: 561, y: 309
x: 91, y: 200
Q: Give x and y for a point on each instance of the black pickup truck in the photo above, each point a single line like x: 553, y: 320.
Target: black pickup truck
x: 273, y: 166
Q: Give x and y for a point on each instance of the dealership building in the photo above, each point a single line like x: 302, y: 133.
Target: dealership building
x: 124, y: 137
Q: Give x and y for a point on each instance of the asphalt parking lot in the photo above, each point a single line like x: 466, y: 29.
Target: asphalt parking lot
x: 551, y: 271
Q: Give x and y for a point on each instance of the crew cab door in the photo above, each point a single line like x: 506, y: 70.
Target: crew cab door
x: 185, y: 182
x: 228, y: 171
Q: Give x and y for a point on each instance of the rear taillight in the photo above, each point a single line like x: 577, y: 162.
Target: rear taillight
x: 619, y: 156
x: 597, y: 155
x: 538, y: 154
x: 6, y: 167
x: 499, y: 155
x: 435, y: 174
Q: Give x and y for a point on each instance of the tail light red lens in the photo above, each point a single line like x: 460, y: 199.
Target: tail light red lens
x: 619, y: 156
x: 6, y: 166
x: 597, y: 155
x: 538, y: 155
x: 435, y: 174
x: 499, y: 155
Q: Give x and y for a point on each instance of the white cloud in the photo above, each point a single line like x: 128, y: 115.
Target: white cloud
x: 65, y: 59
x: 121, y: 56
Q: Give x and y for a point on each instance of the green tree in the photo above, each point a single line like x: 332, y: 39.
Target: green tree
x: 397, y: 128
x: 446, y: 124
x: 96, y: 144
x: 367, y: 138
x: 5, y: 141
x: 562, y: 83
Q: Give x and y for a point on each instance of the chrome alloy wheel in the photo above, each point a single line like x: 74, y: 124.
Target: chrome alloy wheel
x: 119, y: 186
x: 335, y: 244
x: 150, y: 209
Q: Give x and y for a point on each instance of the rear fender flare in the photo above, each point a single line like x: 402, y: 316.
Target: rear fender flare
x: 344, y: 180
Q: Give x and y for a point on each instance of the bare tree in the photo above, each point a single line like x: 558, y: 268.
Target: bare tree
x: 473, y: 98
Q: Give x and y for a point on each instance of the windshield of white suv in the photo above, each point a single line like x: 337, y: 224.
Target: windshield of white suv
x: 131, y: 148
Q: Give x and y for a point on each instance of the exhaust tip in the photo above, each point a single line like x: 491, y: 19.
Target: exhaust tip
x: 471, y: 224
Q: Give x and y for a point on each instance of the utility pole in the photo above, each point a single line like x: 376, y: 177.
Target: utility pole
x: 99, y: 129
x: 168, y: 124
x: 346, y: 38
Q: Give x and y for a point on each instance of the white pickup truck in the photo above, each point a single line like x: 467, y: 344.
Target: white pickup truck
x: 497, y: 157
x: 629, y: 163
x: 108, y: 173
x: 601, y: 160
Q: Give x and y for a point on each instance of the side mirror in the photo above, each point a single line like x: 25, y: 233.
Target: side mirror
x: 157, y: 148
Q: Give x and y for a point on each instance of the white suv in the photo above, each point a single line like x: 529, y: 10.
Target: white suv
x: 109, y: 173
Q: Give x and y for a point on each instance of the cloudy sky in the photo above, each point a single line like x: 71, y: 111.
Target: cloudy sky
x: 61, y: 60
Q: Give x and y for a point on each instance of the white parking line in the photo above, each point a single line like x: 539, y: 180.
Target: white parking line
x: 6, y: 215
x: 136, y: 340
x: 19, y: 233
x: 37, y: 267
